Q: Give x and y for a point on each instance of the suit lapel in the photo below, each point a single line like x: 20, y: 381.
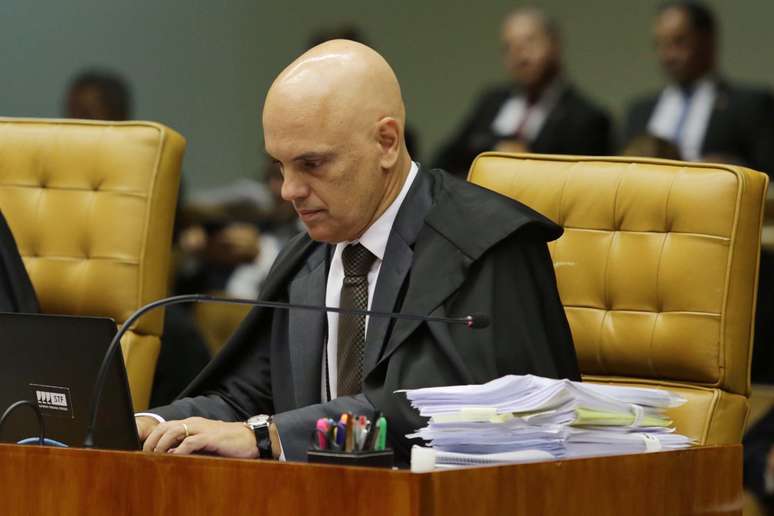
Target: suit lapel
x: 391, y: 277
x: 306, y: 328
x: 718, y: 122
x: 546, y: 137
x: 431, y: 277
x: 439, y: 270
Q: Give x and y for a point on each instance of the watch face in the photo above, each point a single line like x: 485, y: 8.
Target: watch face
x: 259, y: 420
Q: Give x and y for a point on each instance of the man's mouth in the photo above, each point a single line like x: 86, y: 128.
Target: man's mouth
x: 309, y: 215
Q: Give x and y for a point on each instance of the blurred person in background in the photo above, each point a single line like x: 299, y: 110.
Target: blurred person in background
x: 649, y: 146
x: 98, y: 95
x: 236, y: 233
x: 538, y: 110
x: 16, y: 291
x: 707, y: 116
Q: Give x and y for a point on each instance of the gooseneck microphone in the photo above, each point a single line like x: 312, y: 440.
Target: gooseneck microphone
x: 473, y: 321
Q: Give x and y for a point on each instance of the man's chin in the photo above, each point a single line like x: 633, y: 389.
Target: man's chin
x: 320, y: 233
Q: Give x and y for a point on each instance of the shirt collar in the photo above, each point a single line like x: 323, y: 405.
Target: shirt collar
x: 375, y: 237
x: 704, y: 82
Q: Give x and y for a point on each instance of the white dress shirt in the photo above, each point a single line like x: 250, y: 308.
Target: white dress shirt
x: 682, y: 119
x: 375, y: 240
x: 512, y: 113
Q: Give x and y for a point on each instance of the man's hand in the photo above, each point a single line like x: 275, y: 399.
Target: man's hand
x: 145, y: 426
x: 197, y: 434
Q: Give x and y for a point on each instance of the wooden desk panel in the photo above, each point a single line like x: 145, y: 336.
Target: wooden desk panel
x: 47, y: 481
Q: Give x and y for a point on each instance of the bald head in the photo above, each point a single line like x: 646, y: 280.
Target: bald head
x: 337, y: 109
x: 339, y: 82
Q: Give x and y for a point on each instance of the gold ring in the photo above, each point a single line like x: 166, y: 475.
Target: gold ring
x: 185, y: 427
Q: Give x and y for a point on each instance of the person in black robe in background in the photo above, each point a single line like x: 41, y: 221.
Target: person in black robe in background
x: 16, y: 292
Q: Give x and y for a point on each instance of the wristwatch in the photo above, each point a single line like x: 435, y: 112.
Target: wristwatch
x: 260, y: 426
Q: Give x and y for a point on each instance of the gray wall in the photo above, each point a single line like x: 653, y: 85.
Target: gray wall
x: 203, y: 66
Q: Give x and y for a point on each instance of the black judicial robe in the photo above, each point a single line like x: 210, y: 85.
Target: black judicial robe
x: 455, y: 249
x: 16, y: 292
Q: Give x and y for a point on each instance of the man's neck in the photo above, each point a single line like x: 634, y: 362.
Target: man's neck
x: 397, y: 177
x: 534, y: 92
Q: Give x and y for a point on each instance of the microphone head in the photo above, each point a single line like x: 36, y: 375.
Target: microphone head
x: 478, y: 321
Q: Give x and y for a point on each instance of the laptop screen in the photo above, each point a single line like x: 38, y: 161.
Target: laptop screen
x: 52, y: 360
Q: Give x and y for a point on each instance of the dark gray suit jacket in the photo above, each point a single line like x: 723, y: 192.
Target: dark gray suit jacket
x: 454, y: 249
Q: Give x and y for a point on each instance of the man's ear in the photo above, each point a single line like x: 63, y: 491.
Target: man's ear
x: 389, y: 133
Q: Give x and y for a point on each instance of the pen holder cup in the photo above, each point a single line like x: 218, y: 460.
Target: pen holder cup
x: 374, y: 459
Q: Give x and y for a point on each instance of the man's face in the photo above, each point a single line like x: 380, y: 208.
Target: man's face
x: 529, y: 52
x: 685, y: 54
x: 331, y: 171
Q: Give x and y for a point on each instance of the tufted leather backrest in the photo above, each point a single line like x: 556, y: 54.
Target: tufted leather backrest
x: 656, y: 269
x: 91, y: 205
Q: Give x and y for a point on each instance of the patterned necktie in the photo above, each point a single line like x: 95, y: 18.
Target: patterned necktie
x: 357, y: 261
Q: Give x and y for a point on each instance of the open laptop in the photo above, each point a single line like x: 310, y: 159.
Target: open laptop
x: 53, y: 360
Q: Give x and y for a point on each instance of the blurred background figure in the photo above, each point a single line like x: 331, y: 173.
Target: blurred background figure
x: 649, y: 146
x: 235, y: 233
x: 707, y: 116
x: 352, y: 32
x: 98, y: 95
x: 539, y: 110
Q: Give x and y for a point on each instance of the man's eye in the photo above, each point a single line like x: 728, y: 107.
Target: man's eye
x: 312, y: 165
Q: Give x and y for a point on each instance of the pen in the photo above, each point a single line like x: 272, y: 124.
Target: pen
x: 349, y: 440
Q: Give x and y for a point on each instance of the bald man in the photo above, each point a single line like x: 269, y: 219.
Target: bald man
x: 537, y: 110
x: 381, y: 234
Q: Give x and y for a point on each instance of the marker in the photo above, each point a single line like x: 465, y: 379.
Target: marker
x: 341, y: 432
x: 332, y: 434
x: 370, y: 440
x: 349, y: 441
x: 381, y: 442
x: 361, y: 431
x: 322, y: 433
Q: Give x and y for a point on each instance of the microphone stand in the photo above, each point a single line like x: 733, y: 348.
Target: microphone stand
x: 475, y: 321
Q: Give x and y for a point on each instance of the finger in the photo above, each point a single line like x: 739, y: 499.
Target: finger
x: 191, y: 445
x: 158, y: 433
x: 144, y: 426
x: 171, y: 438
x: 154, y: 436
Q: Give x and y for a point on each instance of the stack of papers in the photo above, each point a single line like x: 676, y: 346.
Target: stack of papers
x: 563, y: 418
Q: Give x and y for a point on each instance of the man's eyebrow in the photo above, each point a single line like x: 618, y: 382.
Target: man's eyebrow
x: 308, y: 156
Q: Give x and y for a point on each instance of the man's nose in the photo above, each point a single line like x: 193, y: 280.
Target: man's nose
x: 293, y: 188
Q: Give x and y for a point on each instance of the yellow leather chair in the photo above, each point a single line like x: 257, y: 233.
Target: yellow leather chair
x: 218, y: 321
x: 657, y: 271
x: 91, y: 205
